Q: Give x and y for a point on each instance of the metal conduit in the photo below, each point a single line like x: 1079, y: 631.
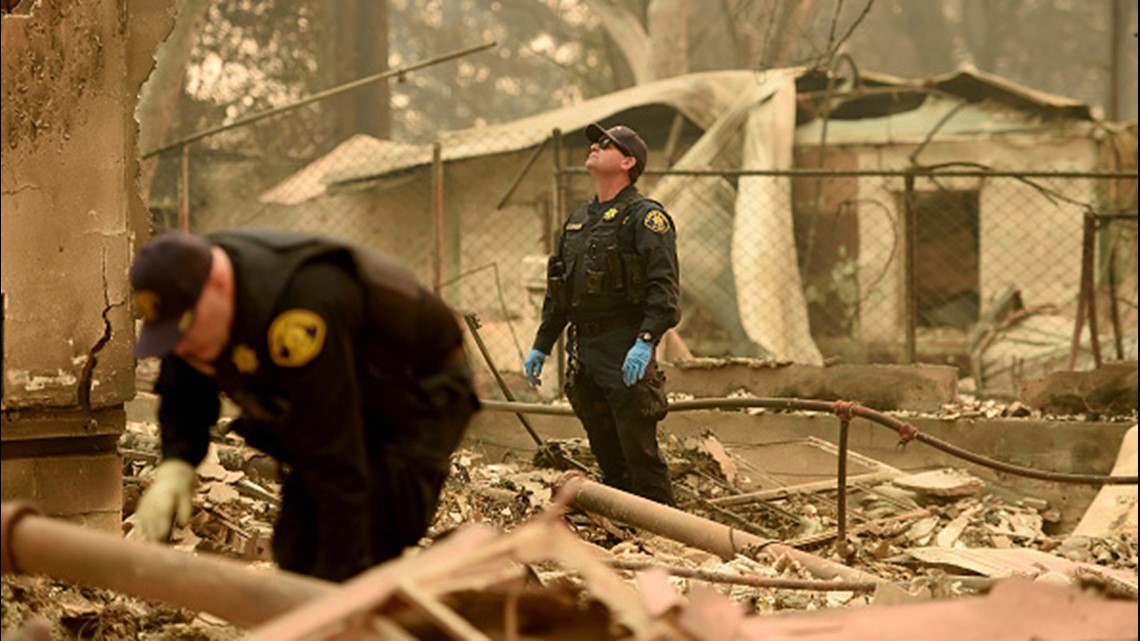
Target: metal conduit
x: 906, y: 431
x: 34, y: 544
x: 678, y: 525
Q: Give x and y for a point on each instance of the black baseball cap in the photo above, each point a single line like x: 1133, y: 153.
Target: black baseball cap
x: 627, y: 140
x: 167, y: 277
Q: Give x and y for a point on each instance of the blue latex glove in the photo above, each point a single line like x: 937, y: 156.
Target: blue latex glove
x: 636, y: 360
x: 533, y: 366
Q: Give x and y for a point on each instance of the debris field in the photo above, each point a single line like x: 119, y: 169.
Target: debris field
x: 930, y: 536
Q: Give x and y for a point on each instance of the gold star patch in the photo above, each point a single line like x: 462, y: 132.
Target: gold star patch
x: 245, y: 359
x: 610, y: 213
x: 656, y: 222
x: 296, y: 337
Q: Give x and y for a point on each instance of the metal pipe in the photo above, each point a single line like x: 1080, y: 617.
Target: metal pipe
x: 1114, y: 304
x: 473, y: 324
x: 528, y: 408
x: 719, y: 539
x: 1091, y: 227
x: 841, y: 484
x: 561, y: 213
x: 184, y: 190
x: 750, y: 580
x: 910, y: 264
x: 398, y: 72
x: 522, y: 174
x: 437, y: 216
x: 893, y: 173
x: 805, y: 488
x: 1084, y: 293
x: 906, y: 431
x: 733, y: 517
x: 33, y: 544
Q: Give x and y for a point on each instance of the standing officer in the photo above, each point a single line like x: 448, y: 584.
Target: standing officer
x: 346, y: 370
x: 614, y: 279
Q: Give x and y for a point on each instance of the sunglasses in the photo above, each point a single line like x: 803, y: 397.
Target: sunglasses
x: 606, y: 143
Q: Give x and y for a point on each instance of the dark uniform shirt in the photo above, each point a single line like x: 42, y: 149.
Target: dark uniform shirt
x: 619, y: 263
x: 315, y: 361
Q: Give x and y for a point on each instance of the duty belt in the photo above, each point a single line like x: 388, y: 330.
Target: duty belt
x: 589, y: 328
x: 593, y: 328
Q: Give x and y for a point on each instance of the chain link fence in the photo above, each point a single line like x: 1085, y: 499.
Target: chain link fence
x: 977, y: 269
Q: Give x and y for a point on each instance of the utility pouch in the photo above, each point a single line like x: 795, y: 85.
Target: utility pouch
x: 556, y: 282
x: 635, y: 277
x: 594, y: 281
x: 614, y: 263
x: 652, y: 400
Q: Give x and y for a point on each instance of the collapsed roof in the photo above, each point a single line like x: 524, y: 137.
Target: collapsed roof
x: 872, y: 107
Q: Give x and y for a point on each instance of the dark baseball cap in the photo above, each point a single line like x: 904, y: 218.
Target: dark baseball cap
x: 167, y: 277
x: 626, y: 140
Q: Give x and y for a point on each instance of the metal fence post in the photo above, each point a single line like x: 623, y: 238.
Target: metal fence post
x: 910, y: 294
x: 437, y: 215
x: 1113, y: 280
x: 845, y: 410
x: 1092, y: 224
x: 1086, y: 295
x: 184, y: 189
x: 559, y: 215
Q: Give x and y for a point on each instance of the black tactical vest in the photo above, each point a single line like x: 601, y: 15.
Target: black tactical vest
x: 410, y: 331
x: 603, y: 272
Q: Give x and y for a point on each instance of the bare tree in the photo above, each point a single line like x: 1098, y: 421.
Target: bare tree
x: 629, y: 35
x: 160, y: 93
x: 669, y: 37
x: 358, y: 48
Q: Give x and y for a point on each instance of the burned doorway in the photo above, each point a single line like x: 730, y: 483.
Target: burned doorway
x: 947, y: 247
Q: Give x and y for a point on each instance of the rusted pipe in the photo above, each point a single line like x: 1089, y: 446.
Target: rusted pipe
x: 473, y: 324
x: 719, y: 539
x: 906, y: 431
x: 751, y: 580
x: 34, y: 544
x: 844, y: 411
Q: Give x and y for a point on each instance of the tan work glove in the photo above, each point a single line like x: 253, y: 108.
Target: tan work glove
x: 167, y: 500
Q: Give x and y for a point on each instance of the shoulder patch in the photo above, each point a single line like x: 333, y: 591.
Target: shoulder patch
x: 296, y: 337
x: 657, y: 222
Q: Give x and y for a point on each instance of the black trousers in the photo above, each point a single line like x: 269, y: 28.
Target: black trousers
x: 620, y: 421
x: 408, y: 451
